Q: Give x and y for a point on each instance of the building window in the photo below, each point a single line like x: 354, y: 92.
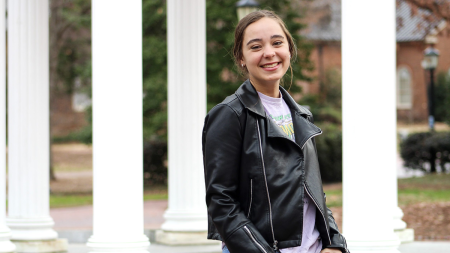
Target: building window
x: 404, y: 91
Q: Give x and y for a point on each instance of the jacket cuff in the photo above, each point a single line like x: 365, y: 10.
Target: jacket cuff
x: 247, y: 239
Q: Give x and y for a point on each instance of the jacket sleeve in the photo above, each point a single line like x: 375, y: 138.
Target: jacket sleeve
x: 337, y: 239
x: 222, y: 144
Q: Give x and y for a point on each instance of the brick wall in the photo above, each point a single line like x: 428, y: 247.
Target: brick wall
x: 409, y: 55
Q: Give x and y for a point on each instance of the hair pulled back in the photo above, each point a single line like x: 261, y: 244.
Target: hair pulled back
x: 250, y: 19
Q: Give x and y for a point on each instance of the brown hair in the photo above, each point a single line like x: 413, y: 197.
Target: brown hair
x: 250, y: 19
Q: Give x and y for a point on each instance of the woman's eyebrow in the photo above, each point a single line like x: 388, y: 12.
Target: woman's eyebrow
x: 271, y: 37
x: 276, y: 36
x: 253, y: 40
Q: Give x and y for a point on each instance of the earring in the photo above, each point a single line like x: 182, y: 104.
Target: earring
x: 242, y: 65
x: 289, y: 56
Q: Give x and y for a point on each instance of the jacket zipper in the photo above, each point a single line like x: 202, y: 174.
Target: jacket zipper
x: 275, y: 242
x: 253, y: 238
x: 251, y: 197
x: 323, y: 215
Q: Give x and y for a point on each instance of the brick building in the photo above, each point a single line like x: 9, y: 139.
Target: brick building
x: 416, y: 30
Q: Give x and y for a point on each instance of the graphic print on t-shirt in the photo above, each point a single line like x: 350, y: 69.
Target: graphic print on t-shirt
x: 279, y: 111
x: 285, y: 123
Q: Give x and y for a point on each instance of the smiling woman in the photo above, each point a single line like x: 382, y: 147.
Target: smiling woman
x: 264, y: 49
x: 263, y: 187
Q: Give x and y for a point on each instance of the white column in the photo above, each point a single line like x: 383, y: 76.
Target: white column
x: 403, y: 233
x: 118, y: 224
x: 5, y: 233
x: 369, y: 125
x: 28, y: 128
x: 186, y: 22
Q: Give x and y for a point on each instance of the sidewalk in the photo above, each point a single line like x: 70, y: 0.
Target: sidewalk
x: 155, y: 248
x: 414, y: 247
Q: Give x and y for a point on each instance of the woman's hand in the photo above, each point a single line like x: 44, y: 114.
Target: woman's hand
x: 331, y: 250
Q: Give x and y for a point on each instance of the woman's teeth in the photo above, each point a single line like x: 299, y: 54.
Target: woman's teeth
x: 270, y: 65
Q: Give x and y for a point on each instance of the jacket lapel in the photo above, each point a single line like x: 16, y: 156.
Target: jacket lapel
x: 303, y: 129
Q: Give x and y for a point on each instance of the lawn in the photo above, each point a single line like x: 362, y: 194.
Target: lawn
x: 68, y: 200
x: 430, y: 188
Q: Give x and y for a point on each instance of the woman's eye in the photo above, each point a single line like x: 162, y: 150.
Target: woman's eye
x: 255, y: 47
x: 277, y: 43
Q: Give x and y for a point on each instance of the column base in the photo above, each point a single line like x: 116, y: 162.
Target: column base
x: 6, y: 246
x: 32, y: 229
x: 405, y: 235
x: 399, y: 224
x: 109, y: 245
x: 56, y: 245
x: 183, y: 238
x: 182, y: 221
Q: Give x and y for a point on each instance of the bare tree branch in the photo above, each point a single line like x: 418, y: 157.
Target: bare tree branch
x: 439, y: 8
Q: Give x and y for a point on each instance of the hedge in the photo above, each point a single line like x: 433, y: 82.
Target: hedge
x: 155, y: 156
x: 329, y: 151
x: 420, y: 149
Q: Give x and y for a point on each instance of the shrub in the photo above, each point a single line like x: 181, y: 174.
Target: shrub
x: 329, y: 150
x: 442, y: 98
x: 155, y: 170
x: 431, y: 148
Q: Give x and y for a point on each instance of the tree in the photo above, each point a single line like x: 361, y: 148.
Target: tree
x: 70, y: 43
x: 70, y: 54
x: 222, y: 77
x: 439, y: 8
x: 154, y: 56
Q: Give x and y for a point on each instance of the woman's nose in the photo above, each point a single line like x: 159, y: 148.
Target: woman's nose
x: 268, y: 53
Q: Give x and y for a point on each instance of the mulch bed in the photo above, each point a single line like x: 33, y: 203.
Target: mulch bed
x: 430, y: 221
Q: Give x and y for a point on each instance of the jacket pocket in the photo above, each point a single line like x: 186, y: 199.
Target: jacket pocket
x: 251, y: 198
x: 252, y: 237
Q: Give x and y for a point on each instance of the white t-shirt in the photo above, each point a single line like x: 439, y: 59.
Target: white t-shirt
x: 278, y: 110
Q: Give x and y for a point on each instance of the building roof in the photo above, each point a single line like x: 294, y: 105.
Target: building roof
x: 326, y: 23
x: 413, y: 24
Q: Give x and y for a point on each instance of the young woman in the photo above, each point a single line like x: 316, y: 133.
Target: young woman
x: 263, y: 187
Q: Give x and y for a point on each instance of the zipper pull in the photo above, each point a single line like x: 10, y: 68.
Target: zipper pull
x: 275, y: 247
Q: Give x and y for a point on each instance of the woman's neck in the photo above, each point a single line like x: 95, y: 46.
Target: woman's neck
x: 271, y: 90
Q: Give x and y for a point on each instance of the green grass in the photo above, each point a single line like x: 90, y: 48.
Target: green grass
x: 437, y: 181
x: 413, y: 196
x: 429, y: 188
x: 70, y: 200
x: 71, y: 168
x: 83, y: 200
x: 334, y: 198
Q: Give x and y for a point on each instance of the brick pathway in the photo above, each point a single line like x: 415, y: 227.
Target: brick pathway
x: 80, y: 218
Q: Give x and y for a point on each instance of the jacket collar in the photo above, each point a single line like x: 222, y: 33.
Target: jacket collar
x: 303, y: 129
x: 249, y: 97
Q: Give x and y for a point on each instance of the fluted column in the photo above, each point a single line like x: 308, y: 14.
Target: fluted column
x: 5, y: 233
x: 369, y: 125
x: 28, y: 128
x: 186, y: 112
x: 118, y: 224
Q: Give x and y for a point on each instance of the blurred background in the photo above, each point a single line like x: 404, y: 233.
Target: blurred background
x: 423, y: 98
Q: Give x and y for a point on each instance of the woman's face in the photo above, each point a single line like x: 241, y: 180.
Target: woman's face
x: 265, y: 52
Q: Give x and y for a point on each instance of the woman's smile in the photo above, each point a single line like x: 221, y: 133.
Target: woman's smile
x: 271, y: 66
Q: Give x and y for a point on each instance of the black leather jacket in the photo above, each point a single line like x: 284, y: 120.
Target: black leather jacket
x: 256, y: 176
